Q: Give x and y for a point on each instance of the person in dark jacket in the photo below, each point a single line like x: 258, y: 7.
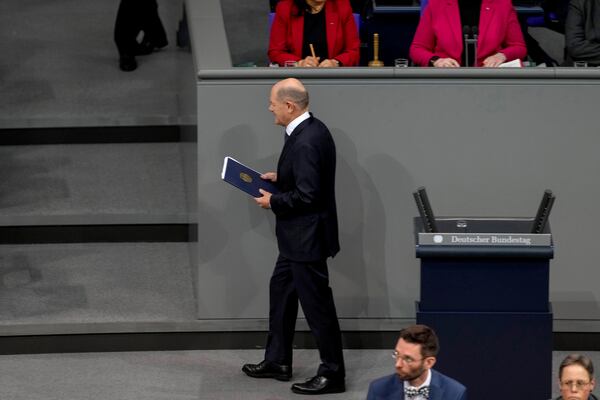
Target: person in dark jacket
x: 415, y: 378
x: 307, y: 234
x: 582, y: 32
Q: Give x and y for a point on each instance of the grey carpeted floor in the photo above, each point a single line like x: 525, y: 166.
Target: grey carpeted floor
x: 92, y: 283
x: 99, y: 183
x: 168, y: 375
x: 59, y: 67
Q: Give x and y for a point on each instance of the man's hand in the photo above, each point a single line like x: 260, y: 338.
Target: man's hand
x: 265, y: 200
x: 269, y: 176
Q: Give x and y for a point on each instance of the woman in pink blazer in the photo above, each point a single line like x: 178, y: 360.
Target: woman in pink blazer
x: 439, y: 39
x: 330, y: 27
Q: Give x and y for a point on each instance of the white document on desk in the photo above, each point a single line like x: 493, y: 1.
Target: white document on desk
x: 511, y: 64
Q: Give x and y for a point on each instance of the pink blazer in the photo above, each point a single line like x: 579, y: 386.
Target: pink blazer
x: 440, y: 34
x: 287, y: 33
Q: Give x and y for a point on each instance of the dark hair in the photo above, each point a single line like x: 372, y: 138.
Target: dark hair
x: 577, y: 359
x: 423, y: 335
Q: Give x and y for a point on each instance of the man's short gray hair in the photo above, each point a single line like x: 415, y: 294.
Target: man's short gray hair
x: 294, y: 95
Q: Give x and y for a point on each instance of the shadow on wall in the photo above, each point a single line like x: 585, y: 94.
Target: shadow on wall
x: 360, y: 265
x: 229, y: 221
x: 350, y: 272
x: 372, y: 198
x: 393, y: 185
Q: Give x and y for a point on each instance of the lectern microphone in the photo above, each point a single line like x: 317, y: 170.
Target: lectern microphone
x: 543, y: 212
x: 467, y: 31
x: 425, y: 210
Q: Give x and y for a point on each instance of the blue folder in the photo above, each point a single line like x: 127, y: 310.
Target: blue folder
x: 245, y: 178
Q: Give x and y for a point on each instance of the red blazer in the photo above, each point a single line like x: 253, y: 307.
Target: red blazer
x: 287, y: 33
x: 440, y: 34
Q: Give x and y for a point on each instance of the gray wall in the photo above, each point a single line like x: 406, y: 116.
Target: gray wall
x: 484, y: 143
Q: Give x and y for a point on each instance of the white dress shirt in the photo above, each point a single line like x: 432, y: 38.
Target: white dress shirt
x: 297, y: 121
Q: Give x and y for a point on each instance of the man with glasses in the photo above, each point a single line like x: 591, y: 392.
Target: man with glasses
x: 576, y: 378
x: 415, y: 378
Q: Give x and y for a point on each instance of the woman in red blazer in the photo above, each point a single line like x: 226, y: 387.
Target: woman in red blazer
x: 439, y: 39
x: 331, y: 30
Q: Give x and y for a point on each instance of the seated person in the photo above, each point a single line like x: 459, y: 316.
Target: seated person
x: 326, y: 24
x: 576, y: 378
x: 439, y: 40
x: 582, y: 32
x: 415, y: 356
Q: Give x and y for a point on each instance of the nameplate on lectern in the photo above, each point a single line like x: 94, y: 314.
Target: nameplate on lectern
x: 484, y: 239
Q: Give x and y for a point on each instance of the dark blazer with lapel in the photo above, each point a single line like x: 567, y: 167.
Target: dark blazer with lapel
x: 391, y: 387
x: 305, y: 210
x: 440, y: 32
x: 287, y: 33
x: 582, y: 32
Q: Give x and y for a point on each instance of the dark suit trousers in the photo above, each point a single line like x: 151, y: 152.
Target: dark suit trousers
x: 133, y: 17
x: 308, y: 283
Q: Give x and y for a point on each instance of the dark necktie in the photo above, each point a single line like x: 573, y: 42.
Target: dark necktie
x: 411, y: 392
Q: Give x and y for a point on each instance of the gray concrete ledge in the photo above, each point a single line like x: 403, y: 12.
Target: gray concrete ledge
x: 478, y: 74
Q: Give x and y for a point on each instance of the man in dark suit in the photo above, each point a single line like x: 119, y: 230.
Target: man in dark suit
x: 415, y: 379
x: 307, y: 233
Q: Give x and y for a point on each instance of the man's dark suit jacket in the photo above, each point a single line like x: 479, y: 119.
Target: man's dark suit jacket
x: 582, y: 32
x: 391, y: 387
x: 307, y: 228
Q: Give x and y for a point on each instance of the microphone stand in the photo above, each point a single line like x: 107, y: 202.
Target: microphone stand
x: 466, y: 35
x: 475, y: 34
x: 470, y: 35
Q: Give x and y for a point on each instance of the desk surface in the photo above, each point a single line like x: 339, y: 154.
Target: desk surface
x: 408, y: 7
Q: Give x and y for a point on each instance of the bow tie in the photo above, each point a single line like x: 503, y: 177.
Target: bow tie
x: 411, y: 392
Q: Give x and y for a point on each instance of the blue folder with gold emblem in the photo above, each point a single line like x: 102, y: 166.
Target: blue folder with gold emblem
x: 245, y: 178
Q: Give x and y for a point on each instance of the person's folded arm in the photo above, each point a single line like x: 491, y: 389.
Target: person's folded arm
x: 350, y: 54
x: 422, y: 46
x: 578, y: 47
x: 513, y: 46
x: 278, y: 49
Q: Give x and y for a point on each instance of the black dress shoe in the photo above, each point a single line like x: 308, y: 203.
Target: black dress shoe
x: 319, y: 385
x: 147, y: 47
x: 267, y: 369
x: 127, y: 63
